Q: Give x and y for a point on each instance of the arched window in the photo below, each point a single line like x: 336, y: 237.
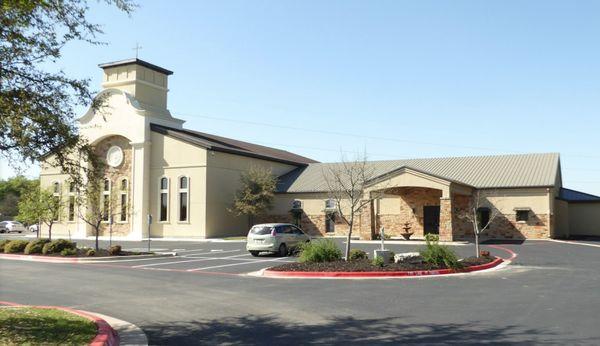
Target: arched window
x: 71, y: 206
x: 184, y: 198
x: 163, y: 212
x: 124, y: 193
x: 106, y: 200
x: 56, y: 196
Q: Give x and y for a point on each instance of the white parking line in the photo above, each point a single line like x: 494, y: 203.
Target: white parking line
x: 173, y: 262
x: 232, y: 264
x: 184, y: 250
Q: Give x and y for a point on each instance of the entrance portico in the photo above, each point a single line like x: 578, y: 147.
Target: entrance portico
x: 408, y: 196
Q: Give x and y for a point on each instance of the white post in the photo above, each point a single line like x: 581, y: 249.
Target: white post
x: 382, y: 235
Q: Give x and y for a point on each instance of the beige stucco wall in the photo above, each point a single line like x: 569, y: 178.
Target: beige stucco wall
x: 48, y: 176
x: 223, y: 180
x: 173, y: 158
x: 584, y: 219
x: 561, y: 219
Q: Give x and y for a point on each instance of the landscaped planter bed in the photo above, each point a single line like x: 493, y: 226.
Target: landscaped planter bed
x: 82, y: 252
x: 367, y: 266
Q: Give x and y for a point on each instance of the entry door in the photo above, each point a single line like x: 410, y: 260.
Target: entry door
x: 431, y: 219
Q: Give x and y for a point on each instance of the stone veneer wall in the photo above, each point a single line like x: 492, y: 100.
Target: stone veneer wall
x: 411, y: 198
x: 311, y: 224
x: 116, y: 174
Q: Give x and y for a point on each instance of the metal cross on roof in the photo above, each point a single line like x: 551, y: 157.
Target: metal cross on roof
x: 137, y: 49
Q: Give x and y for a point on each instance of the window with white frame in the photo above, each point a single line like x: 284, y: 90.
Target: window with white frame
x: 71, y: 205
x: 106, y: 200
x: 163, y: 206
x: 56, y: 196
x: 124, y: 196
x: 184, y: 198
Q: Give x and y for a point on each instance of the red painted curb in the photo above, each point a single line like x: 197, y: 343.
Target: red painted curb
x: 37, y: 258
x: 282, y: 274
x: 106, y: 335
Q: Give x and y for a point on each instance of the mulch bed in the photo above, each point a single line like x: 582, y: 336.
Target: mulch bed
x: 367, y: 266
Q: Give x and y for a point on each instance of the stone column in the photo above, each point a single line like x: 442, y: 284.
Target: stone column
x: 446, y: 220
x: 365, y: 227
x: 140, y: 190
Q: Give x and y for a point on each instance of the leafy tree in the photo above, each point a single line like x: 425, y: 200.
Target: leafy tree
x: 256, y: 195
x: 37, y: 108
x: 11, y: 191
x: 40, y: 206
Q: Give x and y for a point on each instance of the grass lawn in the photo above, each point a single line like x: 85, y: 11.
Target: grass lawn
x: 32, y: 326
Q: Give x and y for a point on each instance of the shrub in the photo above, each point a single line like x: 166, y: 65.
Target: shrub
x: 15, y: 246
x: 90, y: 252
x: 114, y: 250
x: 438, y: 255
x: 35, y: 246
x: 357, y: 255
x: 3, y: 243
x: 378, y: 262
x: 68, y: 252
x: 320, y: 251
x: 56, y: 246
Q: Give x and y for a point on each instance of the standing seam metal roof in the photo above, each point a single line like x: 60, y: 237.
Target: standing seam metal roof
x: 499, y: 171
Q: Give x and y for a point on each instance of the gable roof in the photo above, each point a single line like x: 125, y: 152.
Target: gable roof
x: 232, y: 146
x: 577, y: 196
x: 500, y: 171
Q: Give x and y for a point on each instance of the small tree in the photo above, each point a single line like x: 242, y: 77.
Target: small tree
x: 40, y: 206
x: 346, y: 182
x: 474, y: 215
x: 96, y: 204
x: 255, y: 196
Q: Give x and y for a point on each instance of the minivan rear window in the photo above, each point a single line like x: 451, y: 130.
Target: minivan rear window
x: 261, y: 230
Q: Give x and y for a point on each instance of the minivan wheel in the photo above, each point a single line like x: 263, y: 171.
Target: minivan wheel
x: 254, y: 253
x: 283, y: 251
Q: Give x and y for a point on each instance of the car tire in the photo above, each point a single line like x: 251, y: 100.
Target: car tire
x: 254, y: 253
x: 283, y: 250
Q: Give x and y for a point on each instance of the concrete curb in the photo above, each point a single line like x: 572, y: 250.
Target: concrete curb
x: 129, y: 333
x: 105, y: 336
x: 50, y: 259
x: 408, y: 273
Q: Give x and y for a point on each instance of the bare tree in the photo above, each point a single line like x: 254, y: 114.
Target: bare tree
x: 346, y: 182
x: 96, y: 204
x: 480, y: 214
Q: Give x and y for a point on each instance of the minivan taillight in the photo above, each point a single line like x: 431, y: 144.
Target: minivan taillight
x: 273, y: 233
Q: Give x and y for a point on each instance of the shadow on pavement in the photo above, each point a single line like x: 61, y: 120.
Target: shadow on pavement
x: 268, y: 330
x: 503, y: 241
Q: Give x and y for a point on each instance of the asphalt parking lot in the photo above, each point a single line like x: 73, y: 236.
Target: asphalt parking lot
x: 548, y: 295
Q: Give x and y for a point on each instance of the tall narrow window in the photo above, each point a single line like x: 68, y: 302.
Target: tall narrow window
x: 164, y: 200
x: 183, y: 198
x: 106, y: 200
x: 124, y: 194
x: 71, y: 206
x: 56, y: 196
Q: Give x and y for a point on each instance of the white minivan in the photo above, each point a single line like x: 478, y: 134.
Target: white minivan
x: 279, y: 238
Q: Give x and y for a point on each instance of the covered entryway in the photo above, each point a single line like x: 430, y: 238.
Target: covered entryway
x: 431, y: 219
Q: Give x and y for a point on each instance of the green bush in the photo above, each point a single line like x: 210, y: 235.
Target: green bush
x: 35, y: 246
x: 90, y: 252
x: 15, y: 246
x: 320, y: 251
x: 378, y: 262
x: 358, y: 254
x: 3, y: 243
x: 56, y: 246
x: 68, y: 252
x: 438, y: 255
x: 114, y: 250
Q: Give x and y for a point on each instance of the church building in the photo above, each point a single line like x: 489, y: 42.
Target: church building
x: 187, y: 180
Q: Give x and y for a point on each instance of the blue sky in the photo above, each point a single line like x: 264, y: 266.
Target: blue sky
x: 395, y: 78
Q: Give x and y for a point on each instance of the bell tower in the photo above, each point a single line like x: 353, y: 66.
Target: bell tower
x: 147, y: 82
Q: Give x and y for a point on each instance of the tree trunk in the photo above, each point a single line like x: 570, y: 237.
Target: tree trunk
x: 97, y: 234
x: 477, y: 243
x: 50, y: 232
x: 348, y: 239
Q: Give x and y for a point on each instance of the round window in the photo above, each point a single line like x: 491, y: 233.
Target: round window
x: 114, y: 156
